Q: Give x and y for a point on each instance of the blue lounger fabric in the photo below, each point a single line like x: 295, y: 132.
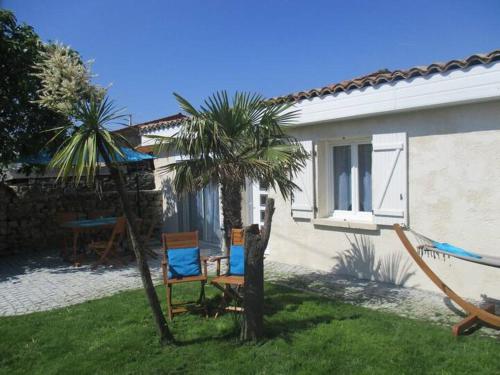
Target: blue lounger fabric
x: 454, y: 250
x: 183, y: 262
x: 237, y: 260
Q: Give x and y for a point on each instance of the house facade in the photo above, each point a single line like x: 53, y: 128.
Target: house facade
x: 419, y: 147
x: 195, y: 211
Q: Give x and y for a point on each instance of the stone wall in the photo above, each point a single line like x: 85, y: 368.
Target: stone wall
x: 140, y: 179
x: 29, y: 209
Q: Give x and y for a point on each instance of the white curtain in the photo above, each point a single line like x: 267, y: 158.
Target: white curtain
x: 211, y: 214
x: 342, y: 178
x: 204, y: 213
x: 365, y: 177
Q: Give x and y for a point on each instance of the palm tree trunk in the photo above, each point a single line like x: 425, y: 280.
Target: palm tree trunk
x: 142, y: 264
x: 252, y: 326
x: 231, y: 208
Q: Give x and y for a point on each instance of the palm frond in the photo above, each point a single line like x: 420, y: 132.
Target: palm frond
x: 78, y: 156
x: 186, y: 106
x: 234, y: 138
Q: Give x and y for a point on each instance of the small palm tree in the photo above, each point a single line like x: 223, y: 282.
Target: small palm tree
x: 87, y: 140
x: 228, y: 141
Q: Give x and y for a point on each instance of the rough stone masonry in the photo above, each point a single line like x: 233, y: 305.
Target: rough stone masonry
x: 29, y: 208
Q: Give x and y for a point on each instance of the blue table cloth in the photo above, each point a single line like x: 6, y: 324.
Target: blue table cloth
x: 89, y: 223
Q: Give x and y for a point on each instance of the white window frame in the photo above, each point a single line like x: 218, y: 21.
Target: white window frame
x: 354, y: 214
x: 258, y: 207
x: 262, y: 192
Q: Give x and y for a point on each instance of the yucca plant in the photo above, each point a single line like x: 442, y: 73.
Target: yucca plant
x: 89, y: 141
x: 227, y: 141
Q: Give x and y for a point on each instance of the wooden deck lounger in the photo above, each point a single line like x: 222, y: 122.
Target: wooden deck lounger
x: 476, y: 314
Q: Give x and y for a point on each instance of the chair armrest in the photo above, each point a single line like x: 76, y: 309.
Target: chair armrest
x: 164, y: 268
x: 218, y: 259
x: 203, y: 261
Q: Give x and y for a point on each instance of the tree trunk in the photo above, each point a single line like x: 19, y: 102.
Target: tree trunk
x: 231, y: 208
x: 142, y: 264
x: 252, y: 327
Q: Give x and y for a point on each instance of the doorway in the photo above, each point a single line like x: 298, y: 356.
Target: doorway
x: 200, y: 211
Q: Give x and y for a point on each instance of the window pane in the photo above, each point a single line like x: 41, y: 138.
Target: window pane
x: 211, y: 213
x: 342, y: 177
x: 365, y: 177
x: 263, y: 199
x: 263, y: 186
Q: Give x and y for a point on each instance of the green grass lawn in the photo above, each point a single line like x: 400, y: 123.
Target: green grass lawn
x: 306, y: 334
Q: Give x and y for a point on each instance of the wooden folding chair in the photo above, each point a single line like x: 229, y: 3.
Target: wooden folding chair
x: 109, y: 249
x: 182, y: 263
x: 62, y: 218
x: 232, y: 281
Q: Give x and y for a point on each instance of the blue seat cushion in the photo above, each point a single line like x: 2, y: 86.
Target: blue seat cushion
x: 183, y: 262
x: 237, y: 260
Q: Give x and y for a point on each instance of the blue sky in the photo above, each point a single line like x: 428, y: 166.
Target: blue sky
x: 149, y: 49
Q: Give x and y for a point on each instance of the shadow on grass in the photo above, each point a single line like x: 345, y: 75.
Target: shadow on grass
x: 232, y: 334
x: 281, y: 298
x: 287, y: 302
x: 285, y: 314
x: 286, y: 328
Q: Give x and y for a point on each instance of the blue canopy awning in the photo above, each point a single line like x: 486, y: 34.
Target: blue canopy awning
x: 129, y: 156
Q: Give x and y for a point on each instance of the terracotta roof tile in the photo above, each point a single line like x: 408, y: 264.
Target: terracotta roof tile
x: 161, y: 123
x: 386, y: 76
x: 376, y: 78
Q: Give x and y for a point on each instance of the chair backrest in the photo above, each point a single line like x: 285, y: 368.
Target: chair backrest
x: 118, y: 230
x: 237, y: 253
x: 237, y: 237
x: 180, y: 240
x: 182, y: 253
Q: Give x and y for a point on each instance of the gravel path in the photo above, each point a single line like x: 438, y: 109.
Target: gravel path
x: 44, y: 282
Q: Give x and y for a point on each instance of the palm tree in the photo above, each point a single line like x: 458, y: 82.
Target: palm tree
x: 228, y: 141
x: 87, y: 140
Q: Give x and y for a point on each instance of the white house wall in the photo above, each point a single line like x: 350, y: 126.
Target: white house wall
x: 453, y: 125
x: 477, y: 83
x: 163, y: 180
x: 165, y: 132
x: 454, y: 196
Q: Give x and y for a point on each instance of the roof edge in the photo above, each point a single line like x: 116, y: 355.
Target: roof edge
x: 386, y: 76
